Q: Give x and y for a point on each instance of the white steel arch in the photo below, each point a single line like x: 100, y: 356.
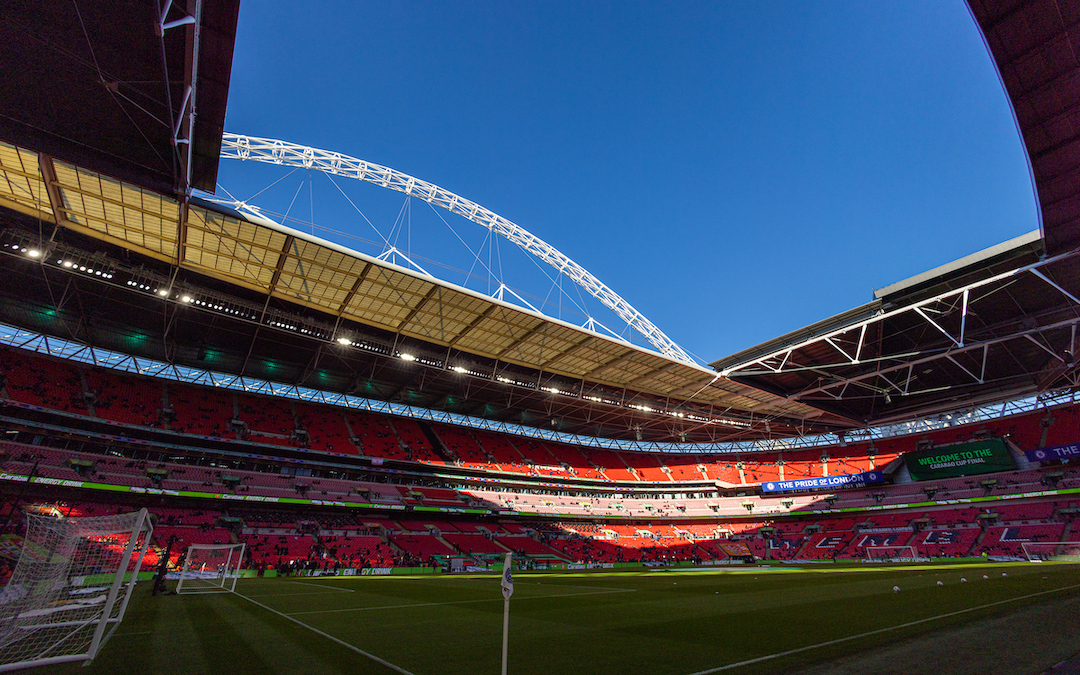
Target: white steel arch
x: 272, y: 151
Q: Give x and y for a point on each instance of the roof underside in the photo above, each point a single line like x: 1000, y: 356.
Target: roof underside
x: 95, y: 170
x: 1035, y: 44
x: 100, y: 84
x: 289, y: 282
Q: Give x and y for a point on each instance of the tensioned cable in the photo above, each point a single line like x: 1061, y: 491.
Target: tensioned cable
x: 331, y: 179
x: 297, y: 194
x: 112, y: 93
x: 574, y: 309
x: 582, y: 310
x: 475, y: 254
x: 311, y: 196
x: 248, y: 201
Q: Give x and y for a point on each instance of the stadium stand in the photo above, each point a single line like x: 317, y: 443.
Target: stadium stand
x: 778, y: 526
x: 133, y: 400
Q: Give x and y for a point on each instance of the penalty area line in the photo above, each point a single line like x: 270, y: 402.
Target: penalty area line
x: 344, y: 644
x: 807, y: 648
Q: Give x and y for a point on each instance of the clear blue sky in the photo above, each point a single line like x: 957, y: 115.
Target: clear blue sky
x: 735, y: 170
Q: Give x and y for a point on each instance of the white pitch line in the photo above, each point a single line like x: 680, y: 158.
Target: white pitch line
x: 459, y: 602
x: 325, y: 587
x: 344, y: 644
x: 875, y: 632
x: 289, y: 595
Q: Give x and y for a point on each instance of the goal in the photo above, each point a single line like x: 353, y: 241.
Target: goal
x: 892, y: 554
x: 1044, y: 551
x: 211, y: 568
x: 70, y: 588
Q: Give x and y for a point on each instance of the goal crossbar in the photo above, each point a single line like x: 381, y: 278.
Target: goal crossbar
x: 893, y: 553
x: 1044, y: 551
x: 211, y: 568
x: 70, y: 588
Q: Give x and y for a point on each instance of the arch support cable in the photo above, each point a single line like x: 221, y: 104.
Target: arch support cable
x: 249, y: 148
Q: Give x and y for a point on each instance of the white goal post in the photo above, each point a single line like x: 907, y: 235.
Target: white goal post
x: 1045, y: 551
x: 893, y: 554
x: 211, y: 568
x: 70, y: 588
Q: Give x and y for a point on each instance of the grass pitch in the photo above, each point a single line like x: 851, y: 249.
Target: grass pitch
x: 747, y: 620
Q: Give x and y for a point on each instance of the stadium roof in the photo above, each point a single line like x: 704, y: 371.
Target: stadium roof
x: 248, y: 296
x: 993, y: 326
x: 199, y: 250
x: 998, y: 324
x: 1036, y: 46
x: 113, y: 86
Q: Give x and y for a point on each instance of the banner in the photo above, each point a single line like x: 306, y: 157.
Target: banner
x: 1053, y: 453
x: 966, y: 459
x: 735, y: 550
x: 851, y: 480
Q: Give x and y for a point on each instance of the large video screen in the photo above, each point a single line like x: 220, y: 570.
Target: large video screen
x: 967, y: 459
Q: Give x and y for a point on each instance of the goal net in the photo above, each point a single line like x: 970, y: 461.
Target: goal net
x: 1060, y: 551
x: 211, y: 568
x: 70, y: 588
x: 892, y: 554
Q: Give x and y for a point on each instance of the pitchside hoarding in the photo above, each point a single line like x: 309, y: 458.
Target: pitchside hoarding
x: 825, y: 482
x: 1058, y: 452
x: 966, y: 459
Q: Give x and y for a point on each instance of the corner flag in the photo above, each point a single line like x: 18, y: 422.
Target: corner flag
x: 508, y: 577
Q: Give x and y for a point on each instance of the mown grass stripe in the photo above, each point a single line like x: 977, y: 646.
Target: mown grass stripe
x: 344, y: 644
x: 819, y: 645
x: 461, y: 602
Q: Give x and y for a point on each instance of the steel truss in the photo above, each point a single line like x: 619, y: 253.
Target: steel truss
x: 182, y: 122
x: 272, y: 151
x: 946, y: 315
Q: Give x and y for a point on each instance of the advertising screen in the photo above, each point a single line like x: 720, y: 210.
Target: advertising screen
x: 967, y: 459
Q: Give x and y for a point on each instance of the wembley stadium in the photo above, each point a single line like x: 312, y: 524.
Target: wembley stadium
x: 318, y: 459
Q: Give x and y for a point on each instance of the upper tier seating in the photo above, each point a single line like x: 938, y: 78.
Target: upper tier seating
x: 201, y: 410
x: 82, y: 389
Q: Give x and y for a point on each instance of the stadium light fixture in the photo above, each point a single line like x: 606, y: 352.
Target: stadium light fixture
x: 407, y: 357
x: 459, y: 369
x: 344, y: 341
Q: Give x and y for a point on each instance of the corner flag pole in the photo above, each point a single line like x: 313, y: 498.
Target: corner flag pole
x: 507, y: 591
